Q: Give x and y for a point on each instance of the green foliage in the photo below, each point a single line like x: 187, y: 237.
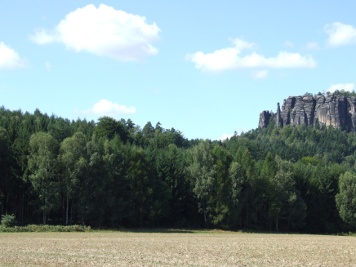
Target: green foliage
x: 346, y: 198
x: 42, y: 164
x: 72, y: 159
x: 142, y: 188
x: 171, y: 169
x: 109, y: 127
x: 8, y: 220
x: 47, y: 228
x: 287, y: 205
x: 115, y: 174
x: 342, y: 92
x: 202, y: 172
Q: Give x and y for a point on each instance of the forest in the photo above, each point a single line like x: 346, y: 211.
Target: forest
x: 113, y: 174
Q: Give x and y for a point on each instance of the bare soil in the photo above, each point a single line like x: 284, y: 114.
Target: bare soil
x: 175, y: 249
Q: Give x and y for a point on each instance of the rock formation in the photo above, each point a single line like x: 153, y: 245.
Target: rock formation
x: 265, y: 117
x: 331, y: 110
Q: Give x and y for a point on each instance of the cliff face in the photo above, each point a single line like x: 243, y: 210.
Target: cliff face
x: 332, y: 110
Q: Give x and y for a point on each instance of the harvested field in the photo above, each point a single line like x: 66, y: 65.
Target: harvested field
x: 175, y: 249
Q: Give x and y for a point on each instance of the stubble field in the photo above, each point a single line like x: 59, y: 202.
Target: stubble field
x: 175, y: 249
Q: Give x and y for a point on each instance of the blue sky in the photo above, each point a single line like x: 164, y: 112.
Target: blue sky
x: 206, y: 68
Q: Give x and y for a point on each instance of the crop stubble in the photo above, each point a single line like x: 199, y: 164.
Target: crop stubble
x: 175, y: 249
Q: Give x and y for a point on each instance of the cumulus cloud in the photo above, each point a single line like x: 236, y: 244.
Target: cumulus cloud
x: 340, y: 34
x: 261, y: 74
x: 104, y: 31
x: 42, y: 37
x: 349, y: 87
x: 9, y: 58
x: 107, y: 108
x: 232, y: 58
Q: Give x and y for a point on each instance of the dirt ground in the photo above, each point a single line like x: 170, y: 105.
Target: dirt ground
x: 175, y: 249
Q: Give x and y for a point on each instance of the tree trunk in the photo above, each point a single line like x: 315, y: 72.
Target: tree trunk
x: 67, y: 210
x: 205, y: 219
x: 289, y: 219
x: 6, y: 203
x: 71, y: 214
x: 22, y: 204
x: 141, y: 217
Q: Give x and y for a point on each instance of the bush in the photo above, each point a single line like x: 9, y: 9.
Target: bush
x: 46, y: 228
x: 8, y: 220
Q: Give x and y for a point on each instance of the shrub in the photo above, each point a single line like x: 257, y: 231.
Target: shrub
x: 46, y: 228
x: 8, y: 220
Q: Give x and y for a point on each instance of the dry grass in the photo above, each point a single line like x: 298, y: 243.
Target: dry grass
x: 175, y: 249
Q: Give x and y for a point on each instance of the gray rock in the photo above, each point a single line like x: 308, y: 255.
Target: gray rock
x: 331, y: 110
x: 265, y: 117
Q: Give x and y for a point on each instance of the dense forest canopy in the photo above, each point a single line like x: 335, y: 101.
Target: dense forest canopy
x: 340, y: 92
x: 114, y: 173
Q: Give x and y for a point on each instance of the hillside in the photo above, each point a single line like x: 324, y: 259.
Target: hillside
x: 114, y: 173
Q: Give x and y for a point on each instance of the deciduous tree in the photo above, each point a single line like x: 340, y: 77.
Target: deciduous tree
x: 346, y: 198
x: 43, y: 166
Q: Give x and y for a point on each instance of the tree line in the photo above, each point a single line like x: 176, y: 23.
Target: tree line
x: 113, y: 173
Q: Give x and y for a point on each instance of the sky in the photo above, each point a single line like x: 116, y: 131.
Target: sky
x: 205, y: 68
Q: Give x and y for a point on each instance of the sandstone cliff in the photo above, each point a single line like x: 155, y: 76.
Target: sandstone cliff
x: 331, y: 110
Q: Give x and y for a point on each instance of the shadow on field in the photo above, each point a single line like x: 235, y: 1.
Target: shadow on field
x: 160, y: 231
x: 176, y: 230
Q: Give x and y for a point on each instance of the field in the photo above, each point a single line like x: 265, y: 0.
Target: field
x: 213, y: 248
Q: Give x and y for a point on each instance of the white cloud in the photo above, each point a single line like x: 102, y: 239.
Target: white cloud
x: 107, y: 108
x: 312, y: 46
x: 340, y: 34
x: 104, y: 31
x: 242, y: 44
x: 226, y: 136
x: 9, y: 58
x: 261, y: 74
x: 231, y: 58
x: 349, y: 87
x: 42, y: 37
